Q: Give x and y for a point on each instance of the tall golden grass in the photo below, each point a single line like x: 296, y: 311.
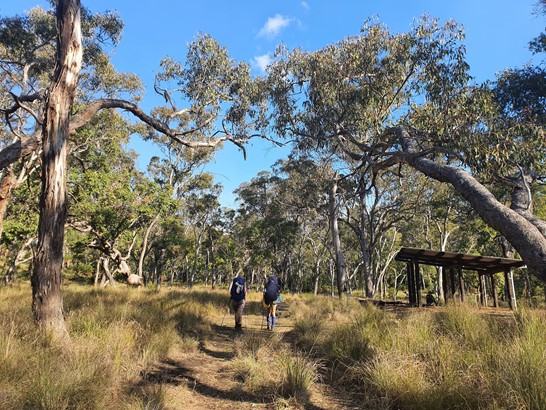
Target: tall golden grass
x: 454, y: 357
x: 115, y: 336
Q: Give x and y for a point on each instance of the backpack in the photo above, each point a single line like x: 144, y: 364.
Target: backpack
x: 271, y: 291
x: 238, y: 289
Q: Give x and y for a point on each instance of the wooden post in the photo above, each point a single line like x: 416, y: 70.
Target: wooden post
x: 494, y: 290
x: 409, y: 269
x: 483, y: 282
x: 445, y: 284
x: 452, y: 282
x: 417, y: 285
x: 461, y: 285
x: 481, y: 289
x: 448, y: 290
x: 510, y: 290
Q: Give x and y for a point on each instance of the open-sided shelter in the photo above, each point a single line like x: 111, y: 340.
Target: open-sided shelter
x: 452, y: 273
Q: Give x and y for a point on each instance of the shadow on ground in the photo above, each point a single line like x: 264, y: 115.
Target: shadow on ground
x: 173, y: 373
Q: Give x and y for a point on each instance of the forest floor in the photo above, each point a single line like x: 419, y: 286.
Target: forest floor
x: 203, y: 380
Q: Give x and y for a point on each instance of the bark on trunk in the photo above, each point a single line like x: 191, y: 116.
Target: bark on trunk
x: 145, y: 246
x: 7, y: 183
x: 20, y: 258
x: 316, y: 276
x: 47, y: 304
x: 340, y: 260
x: 369, y: 285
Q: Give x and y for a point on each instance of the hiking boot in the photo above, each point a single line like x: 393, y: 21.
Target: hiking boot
x: 238, y: 326
x: 273, y: 323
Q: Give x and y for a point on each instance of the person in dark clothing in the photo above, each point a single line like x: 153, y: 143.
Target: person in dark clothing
x: 430, y: 299
x: 271, y: 299
x: 237, y: 292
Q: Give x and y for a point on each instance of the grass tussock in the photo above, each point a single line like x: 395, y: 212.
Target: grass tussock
x: 265, y: 366
x: 116, y: 336
x: 298, y: 376
x: 256, y: 364
x: 341, y: 334
x: 450, y: 357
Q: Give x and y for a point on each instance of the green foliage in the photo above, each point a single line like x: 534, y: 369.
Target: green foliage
x: 217, y: 87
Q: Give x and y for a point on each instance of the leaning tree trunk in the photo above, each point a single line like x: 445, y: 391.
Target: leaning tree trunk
x: 47, y: 305
x: 6, y: 184
x: 144, y: 250
x: 526, y: 238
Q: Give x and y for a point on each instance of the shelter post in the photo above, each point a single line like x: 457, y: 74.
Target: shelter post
x: 409, y: 270
x: 482, y: 289
x: 452, y: 281
x: 461, y: 285
x: 494, y: 290
x: 447, y: 291
x: 510, y: 289
x: 417, y: 285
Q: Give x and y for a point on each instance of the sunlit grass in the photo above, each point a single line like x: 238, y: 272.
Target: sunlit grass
x: 116, y: 336
x: 298, y: 376
x: 450, y: 357
x: 447, y: 357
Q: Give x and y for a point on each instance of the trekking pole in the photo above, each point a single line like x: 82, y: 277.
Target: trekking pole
x: 225, y: 314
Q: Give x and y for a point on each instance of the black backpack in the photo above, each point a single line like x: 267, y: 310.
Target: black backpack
x: 238, y: 289
x: 271, y: 291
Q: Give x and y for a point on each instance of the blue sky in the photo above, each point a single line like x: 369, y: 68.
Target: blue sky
x: 497, y: 33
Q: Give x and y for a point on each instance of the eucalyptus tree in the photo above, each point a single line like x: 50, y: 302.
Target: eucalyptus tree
x: 376, y: 208
x: 201, y: 209
x: 19, y: 228
x: 269, y: 234
x: 175, y: 171
x: 49, y: 57
x: 446, y: 218
x: 303, y: 196
x: 112, y: 201
x: 390, y: 100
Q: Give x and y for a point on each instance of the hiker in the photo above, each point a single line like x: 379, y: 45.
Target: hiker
x: 237, y: 298
x: 431, y: 300
x: 271, y: 299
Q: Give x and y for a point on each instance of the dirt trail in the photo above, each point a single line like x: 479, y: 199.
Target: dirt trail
x: 202, y: 380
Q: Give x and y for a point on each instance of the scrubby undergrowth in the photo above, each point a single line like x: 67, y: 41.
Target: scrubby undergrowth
x: 450, y: 357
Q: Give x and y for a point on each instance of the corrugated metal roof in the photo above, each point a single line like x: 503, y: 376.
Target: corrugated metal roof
x: 487, y: 264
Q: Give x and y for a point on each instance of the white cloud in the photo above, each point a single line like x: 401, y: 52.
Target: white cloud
x: 274, y: 25
x: 305, y: 5
x: 261, y: 62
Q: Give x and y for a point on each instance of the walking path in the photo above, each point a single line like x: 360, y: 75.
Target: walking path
x: 204, y: 380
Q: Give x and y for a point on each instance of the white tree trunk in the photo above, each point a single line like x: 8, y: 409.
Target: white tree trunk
x: 47, y: 303
x: 341, y: 265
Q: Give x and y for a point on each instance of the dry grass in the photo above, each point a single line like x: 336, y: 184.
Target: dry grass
x: 453, y: 357
x: 450, y: 357
x: 116, y: 335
